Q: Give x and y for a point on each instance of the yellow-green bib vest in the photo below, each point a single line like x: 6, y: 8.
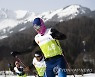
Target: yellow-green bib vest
x: 40, y: 66
x: 49, y: 46
x: 23, y: 75
x: 40, y: 70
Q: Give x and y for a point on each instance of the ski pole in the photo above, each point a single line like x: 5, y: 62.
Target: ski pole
x: 15, y: 56
x: 20, y: 61
x: 68, y: 64
x: 65, y: 60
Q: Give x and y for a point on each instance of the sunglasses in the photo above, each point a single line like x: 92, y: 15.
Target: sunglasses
x: 36, y: 26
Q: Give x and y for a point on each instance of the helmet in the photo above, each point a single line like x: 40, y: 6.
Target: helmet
x: 39, y: 26
x: 37, y: 22
x: 38, y: 53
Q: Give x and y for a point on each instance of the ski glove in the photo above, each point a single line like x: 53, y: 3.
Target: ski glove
x: 15, y: 53
x: 57, y: 35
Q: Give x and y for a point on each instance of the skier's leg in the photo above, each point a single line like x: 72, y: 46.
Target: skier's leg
x: 61, y: 73
x: 61, y: 66
x: 49, y: 73
x: 49, y: 68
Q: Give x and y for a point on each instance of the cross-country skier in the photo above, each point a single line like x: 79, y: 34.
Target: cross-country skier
x: 10, y: 67
x: 47, y: 40
x: 19, y: 70
x: 39, y: 63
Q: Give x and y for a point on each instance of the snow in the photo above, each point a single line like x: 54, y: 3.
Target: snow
x: 8, y: 23
x: 31, y: 17
x: 72, y: 11
x: 2, y: 37
x: 10, y: 19
x: 47, y: 15
x: 13, y: 76
x: 11, y: 32
x: 85, y: 75
x: 20, y: 14
x: 10, y: 74
x: 22, y: 29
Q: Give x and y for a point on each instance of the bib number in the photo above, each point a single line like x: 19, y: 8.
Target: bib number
x: 52, y: 47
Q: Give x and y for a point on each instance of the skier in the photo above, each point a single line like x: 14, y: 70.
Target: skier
x: 48, y: 41
x: 19, y: 70
x: 39, y: 63
x: 10, y: 67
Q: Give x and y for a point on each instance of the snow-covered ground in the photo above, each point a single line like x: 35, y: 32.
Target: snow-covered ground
x: 10, y: 74
x: 85, y: 75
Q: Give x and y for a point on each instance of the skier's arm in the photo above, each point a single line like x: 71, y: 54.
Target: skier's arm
x: 57, y: 35
x: 31, y: 66
x: 29, y: 49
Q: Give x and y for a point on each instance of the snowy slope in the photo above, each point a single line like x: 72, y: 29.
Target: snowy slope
x: 10, y: 74
x: 85, y: 75
x: 10, y: 19
x: 61, y: 14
